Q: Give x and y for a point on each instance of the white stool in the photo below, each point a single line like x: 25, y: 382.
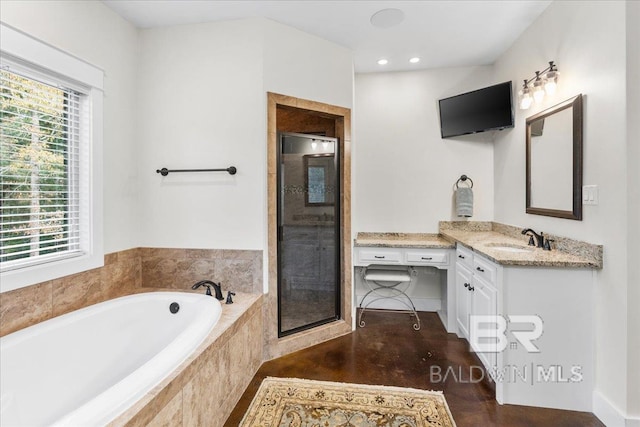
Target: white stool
x: 383, y: 284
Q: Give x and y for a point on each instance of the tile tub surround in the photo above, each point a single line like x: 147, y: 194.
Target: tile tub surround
x: 237, y: 270
x: 566, y: 252
x: 126, y: 272
x: 24, y: 307
x: 205, y: 388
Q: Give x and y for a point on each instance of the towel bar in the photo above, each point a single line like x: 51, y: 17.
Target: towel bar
x: 164, y: 171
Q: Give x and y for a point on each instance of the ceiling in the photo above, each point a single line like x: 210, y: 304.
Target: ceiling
x: 442, y: 33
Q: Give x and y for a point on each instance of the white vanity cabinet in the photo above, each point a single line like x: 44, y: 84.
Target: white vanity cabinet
x: 463, y: 299
x: 477, y: 295
x: 542, y: 351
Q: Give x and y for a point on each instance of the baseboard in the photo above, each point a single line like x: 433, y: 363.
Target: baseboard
x: 633, y: 422
x: 609, y: 414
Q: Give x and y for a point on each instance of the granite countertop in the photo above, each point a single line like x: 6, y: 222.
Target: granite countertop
x: 403, y: 240
x: 483, y: 237
x: 484, y: 243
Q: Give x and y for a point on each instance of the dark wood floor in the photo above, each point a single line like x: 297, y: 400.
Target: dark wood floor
x: 388, y: 351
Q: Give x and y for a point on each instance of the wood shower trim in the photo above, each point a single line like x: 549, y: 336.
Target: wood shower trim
x: 274, y: 346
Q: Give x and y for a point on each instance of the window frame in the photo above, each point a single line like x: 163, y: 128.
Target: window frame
x: 33, y: 58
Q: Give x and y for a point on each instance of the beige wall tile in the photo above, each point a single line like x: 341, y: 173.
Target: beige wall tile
x: 25, y: 307
x: 170, y: 415
x: 77, y: 291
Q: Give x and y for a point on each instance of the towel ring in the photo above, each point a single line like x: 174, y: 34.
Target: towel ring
x: 463, y: 178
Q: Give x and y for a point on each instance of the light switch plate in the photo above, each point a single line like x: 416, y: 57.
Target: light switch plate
x: 589, y: 194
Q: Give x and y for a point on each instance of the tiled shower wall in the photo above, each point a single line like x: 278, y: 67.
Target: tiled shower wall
x: 127, y: 272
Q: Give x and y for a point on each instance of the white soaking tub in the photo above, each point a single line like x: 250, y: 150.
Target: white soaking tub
x: 86, y: 367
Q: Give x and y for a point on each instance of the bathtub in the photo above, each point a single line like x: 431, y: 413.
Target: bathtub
x: 86, y: 367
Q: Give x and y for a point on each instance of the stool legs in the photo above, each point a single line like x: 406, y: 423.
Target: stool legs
x: 396, y: 294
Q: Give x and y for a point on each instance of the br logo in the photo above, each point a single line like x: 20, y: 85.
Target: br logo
x: 488, y: 334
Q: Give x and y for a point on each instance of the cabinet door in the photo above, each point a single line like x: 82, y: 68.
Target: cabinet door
x: 463, y: 299
x: 484, y: 303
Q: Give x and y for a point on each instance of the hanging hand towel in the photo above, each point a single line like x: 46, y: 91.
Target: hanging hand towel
x: 464, y: 201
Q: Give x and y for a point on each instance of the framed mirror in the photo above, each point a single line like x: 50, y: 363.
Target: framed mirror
x: 554, y: 161
x: 319, y: 183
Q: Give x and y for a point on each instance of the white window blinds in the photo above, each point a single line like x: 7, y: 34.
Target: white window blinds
x: 39, y: 171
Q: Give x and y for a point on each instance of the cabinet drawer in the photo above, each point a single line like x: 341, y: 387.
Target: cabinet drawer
x: 464, y: 255
x: 485, y: 269
x: 380, y: 256
x: 426, y: 258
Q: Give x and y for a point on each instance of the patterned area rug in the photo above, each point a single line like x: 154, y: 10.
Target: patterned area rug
x: 290, y: 402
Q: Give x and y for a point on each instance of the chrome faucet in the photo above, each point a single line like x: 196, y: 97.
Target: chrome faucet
x: 208, y: 283
x: 535, y: 239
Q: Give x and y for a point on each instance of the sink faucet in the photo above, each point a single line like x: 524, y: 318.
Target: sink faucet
x: 538, y: 238
x: 208, y: 283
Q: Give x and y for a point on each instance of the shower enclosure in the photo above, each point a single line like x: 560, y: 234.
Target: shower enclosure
x: 308, y: 232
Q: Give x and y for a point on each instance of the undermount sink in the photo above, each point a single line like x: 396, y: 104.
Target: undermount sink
x: 505, y: 247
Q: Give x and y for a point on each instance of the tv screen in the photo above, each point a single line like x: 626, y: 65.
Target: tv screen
x: 478, y: 111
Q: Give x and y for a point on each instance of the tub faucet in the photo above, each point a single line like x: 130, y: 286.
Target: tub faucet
x: 208, y: 283
x: 536, y: 239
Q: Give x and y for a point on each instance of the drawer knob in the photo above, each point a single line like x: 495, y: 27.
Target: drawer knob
x: 379, y: 256
x: 427, y: 258
x: 480, y: 269
x: 471, y: 288
x: 461, y: 256
x: 466, y: 285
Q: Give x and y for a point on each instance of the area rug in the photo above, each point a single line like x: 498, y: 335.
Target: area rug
x: 291, y: 402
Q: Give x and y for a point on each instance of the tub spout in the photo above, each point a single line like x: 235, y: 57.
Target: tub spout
x: 208, y: 284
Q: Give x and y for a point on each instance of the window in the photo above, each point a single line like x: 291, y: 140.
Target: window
x: 39, y: 171
x: 50, y: 167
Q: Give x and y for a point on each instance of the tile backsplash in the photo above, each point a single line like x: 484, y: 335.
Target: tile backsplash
x: 127, y: 272
x: 237, y: 270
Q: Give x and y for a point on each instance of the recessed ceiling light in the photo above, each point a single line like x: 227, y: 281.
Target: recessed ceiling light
x: 382, y: 62
x: 414, y: 60
x: 387, y: 18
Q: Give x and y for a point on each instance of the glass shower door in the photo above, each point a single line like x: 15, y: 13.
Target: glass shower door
x: 308, y: 232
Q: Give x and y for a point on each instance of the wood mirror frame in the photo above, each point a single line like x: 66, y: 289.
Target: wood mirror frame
x: 575, y: 213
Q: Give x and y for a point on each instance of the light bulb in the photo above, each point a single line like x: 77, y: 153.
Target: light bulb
x: 538, y: 88
x: 382, y: 61
x: 414, y: 60
x: 538, y: 94
x: 314, y: 145
x: 525, y: 101
x: 551, y: 83
x: 325, y: 145
x: 525, y: 97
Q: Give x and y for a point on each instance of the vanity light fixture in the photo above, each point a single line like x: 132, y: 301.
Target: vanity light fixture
x: 414, y: 60
x: 383, y: 61
x: 543, y: 83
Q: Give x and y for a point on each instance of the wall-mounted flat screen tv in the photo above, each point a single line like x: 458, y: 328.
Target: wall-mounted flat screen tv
x: 477, y: 111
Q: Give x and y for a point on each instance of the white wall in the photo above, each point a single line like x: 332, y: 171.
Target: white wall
x: 404, y: 171
x: 633, y: 195
x: 202, y: 104
x: 94, y: 33
x: 305, y: 66
x: 587, y: 41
